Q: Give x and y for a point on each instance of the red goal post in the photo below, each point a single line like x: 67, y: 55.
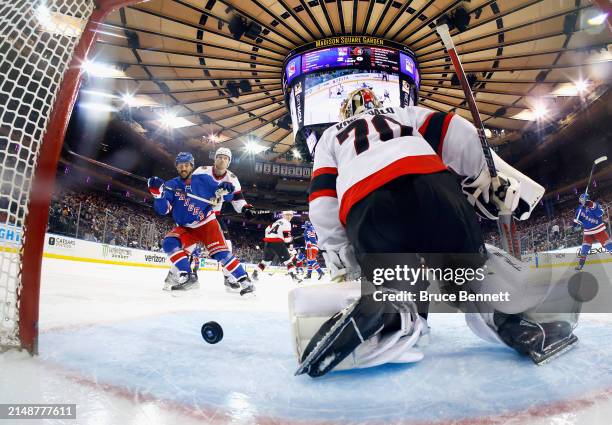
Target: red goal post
x: 42, y: 44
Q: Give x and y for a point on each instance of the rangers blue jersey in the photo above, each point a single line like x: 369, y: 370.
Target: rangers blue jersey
x: 300, y: 256
x: 187, y: 211
x: 310, y: 237
x: 590, y: 216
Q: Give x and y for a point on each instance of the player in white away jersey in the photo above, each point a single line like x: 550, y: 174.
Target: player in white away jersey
x: 387, y: 180
x: 221, y: 173
x: 276, y: 237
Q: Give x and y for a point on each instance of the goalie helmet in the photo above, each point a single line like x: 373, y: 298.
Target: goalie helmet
x: 224, y: 151
x: 583, y: 198
x: 358, y: 101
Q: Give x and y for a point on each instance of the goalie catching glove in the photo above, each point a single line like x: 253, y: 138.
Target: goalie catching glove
x: 342, y: 264
x: 488, y: 200
x: 516, y: 193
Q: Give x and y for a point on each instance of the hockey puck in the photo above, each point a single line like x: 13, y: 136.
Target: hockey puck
x: 583, y: 287
x: 212, y: 332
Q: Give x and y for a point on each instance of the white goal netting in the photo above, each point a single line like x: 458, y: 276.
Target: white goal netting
x: 37, y: 42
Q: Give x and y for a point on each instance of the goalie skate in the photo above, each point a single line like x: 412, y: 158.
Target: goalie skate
x: 554, y: 350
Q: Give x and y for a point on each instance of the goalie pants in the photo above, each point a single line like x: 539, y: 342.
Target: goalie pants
x: 424, y: 214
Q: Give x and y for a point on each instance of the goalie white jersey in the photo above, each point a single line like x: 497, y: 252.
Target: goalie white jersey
x: 359, y: 155
x: 238, y: 202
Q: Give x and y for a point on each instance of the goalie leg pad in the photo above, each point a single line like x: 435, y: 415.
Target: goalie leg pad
x: 360, y: 335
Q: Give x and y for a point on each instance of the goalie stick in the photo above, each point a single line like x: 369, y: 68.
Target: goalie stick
x: 508, y: 233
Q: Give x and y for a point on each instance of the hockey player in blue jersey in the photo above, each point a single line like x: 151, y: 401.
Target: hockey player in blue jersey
x: 312, y: 250
x: 299, y: 261
x: 194, y: 259
x: 589, y: 215
x: 190, y: 198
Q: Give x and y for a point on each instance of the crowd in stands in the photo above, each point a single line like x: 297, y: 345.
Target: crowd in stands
x: 545, y: 232
x: 116, y: 220
x: 106, y: 218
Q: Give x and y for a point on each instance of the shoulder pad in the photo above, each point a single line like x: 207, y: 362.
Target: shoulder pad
x: 200, y: 170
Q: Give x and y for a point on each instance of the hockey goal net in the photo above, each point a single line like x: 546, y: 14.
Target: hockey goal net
x: 41, y: 45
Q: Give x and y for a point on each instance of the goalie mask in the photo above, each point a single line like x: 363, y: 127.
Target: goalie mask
x: 357, y: 102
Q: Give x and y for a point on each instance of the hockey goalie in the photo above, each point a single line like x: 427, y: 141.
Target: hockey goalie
x: 410, y: 180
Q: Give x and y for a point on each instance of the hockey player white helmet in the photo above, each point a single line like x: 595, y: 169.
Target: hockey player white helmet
x: 287, y: 215
x: 224, y: 151
x: 358, y: 101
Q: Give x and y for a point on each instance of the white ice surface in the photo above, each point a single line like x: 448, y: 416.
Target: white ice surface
x: 128, y: 353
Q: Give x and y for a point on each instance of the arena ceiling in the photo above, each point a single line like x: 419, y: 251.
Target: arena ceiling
x: 180, y: 58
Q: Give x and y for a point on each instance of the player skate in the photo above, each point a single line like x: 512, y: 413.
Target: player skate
x: 295, y: 277
x: 247, y: 288
x: 230, y: 286
x: 185, y: 282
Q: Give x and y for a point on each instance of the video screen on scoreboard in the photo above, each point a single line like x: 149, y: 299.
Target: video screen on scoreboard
x: 351, y: 56
x: 325, y: 91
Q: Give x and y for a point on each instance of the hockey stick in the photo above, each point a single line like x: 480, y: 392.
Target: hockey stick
x: 586, y: 189
x: 508, y: 233
x: 213, y: 201
x: 596, y: 162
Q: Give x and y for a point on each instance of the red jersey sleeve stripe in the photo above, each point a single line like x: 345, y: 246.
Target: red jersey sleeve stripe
x: 445, y: 124
x: 324, y: 192
x: 324, y: 170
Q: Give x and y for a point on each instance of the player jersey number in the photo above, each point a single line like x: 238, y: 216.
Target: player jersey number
x: 274, y: 228
x: 384, y: 126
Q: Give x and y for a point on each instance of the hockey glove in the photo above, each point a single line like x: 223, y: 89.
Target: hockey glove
x: 487, y: 200
x: 248, y: 212
x: 225, y: 190
x: 156, y: 187
x: 342, y: 264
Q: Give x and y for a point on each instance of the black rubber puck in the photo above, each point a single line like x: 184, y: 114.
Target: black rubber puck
x: 212, y: 332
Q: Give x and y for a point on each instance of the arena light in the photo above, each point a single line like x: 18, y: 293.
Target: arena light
x: 540, y: 111
x: 597, y: 20
x: 577, y: 88
x: 101, y: 70
x: 97, y: 93
x: 253, y: 147
x: 537, y: 112
x: 581, y: 86
x: 488, y: 133
x: 296, y: 153
x: 140, y: 101
x: 98, y: 107
x: 128, y: 99
x: 170, y: 120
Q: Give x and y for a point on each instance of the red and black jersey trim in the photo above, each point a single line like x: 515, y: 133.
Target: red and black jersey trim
x: 323, y: 183
x: 434, y: 129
